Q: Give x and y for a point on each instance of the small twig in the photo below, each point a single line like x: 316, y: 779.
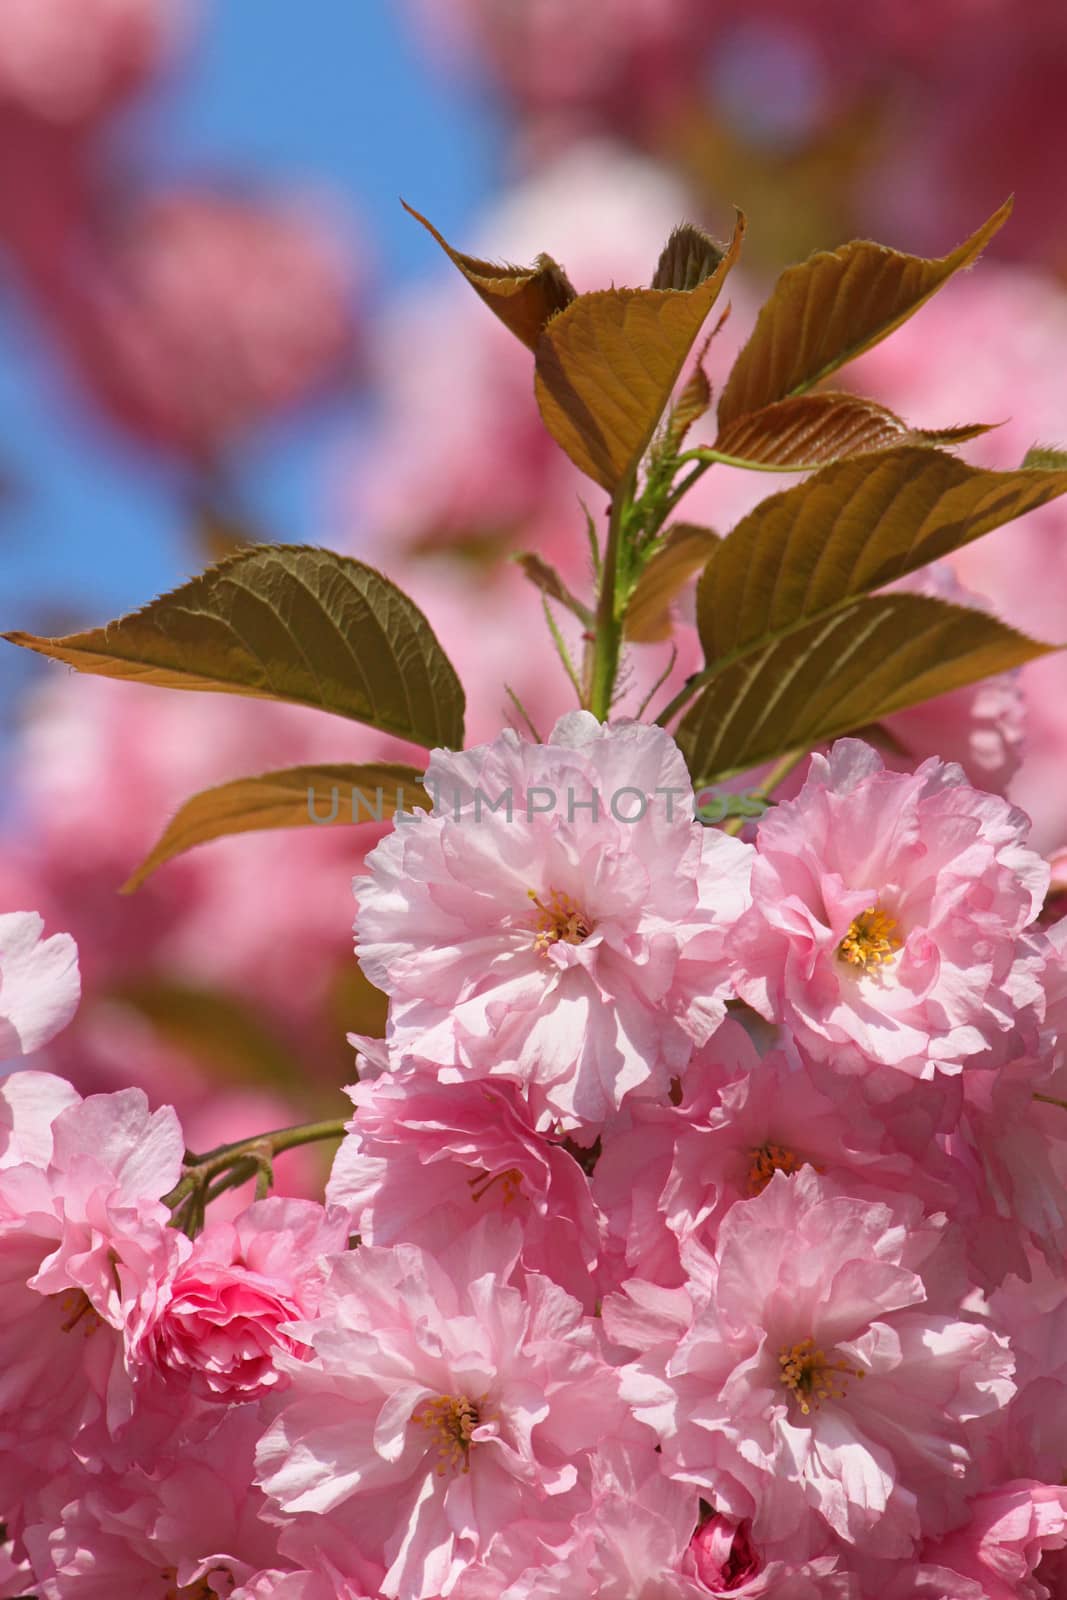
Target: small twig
x: 660, y: 681
x: 523, y: 713
x: 561, y: 647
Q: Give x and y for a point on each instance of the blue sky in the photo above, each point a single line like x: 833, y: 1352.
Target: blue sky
x: 348, y: 104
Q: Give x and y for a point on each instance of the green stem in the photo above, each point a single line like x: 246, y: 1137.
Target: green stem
x: 204, y: 1177
x: 686, y: 484
x: 681, y: 700
x: 607, y: 637
x: 1050, y: 1100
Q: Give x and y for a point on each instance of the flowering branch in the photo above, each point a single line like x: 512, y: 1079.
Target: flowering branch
x: 205, y: 1177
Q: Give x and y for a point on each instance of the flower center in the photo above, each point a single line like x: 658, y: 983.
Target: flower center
x: 510, y: 1181
x: 77, y: 1307
x: 453, y: 1418
x: 872, y: 938
x: 812, y: 1376
x: 559, y: 920
x: 767, y: 1159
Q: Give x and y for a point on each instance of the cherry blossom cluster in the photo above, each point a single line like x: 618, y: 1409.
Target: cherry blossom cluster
x: 698, y: 1230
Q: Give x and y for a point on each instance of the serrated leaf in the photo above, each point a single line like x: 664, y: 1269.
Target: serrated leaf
x: 851, y: 528
x: 689, y: 256
x: 842, y: 672
x: 691, y: 404
x: 685, y: 550
x: 524, y: 298
x: 1045, y: 457
x: 812, y: 429
x: 293, y: 797
x: 829, y: 309
x: 606, y: 366
x: 285, y: 622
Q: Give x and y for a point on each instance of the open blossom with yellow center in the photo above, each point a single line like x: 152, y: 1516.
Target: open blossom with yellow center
x: 578, y: 943
x: 559, y: 920
x: 810, y: 1374
x: 510, y: 1181
x: 453, y: 1418
x: 872, y: 939
x: 78, y: 1312
x: 767, y: 1159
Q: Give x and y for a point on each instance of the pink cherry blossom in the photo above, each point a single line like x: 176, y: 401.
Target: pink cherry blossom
x: 81, y: 1238
x: 66, y: 61
x: 1010, y: 1530
x: 30, y: 1102
x: 39, y: 983
x: 740, y: 1118
x: 218, y: 1323
x: 202, y: 315
x: 423, y: 1161
x: 889, y: 916
x: 641, y: 1537
x: 778, y: 1381
x: 187, y: 1521
x: 440, y: 1406
x: 571, y: 950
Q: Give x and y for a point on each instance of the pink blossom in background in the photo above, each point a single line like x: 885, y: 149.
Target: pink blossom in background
x: 760, y: 83
x: 39, y: 983
x: 197, y: 315
x: 69, y: 61
x: 66, y: 66
x: 986, y: 349
x: 888, y: 916
x: 579, y: 953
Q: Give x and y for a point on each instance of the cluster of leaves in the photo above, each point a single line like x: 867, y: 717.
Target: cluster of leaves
x: 802, y: 642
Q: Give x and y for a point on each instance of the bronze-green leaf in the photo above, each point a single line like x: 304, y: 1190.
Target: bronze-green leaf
x: 842, y: 672
x: 689, y: 256
x: 606, y: 367
x: 524, y: 298
x: 285, y: 622
x: 293, y: 797
x: 544, y: 576
x: 853, y: 527
x: 684, y: 551
x: 830, y: 309
x: 227, y: 1035
x: 1049, y: 457
x: 811, y: 430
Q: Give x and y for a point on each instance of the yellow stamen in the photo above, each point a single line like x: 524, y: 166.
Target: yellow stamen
x: 510, y: 1179
x: 560, y: 920
x: 76, y: 1305
x: 453, y: 1418
x: 811, y: 1376
x: 872, y: 938
x: 767, y: 1159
